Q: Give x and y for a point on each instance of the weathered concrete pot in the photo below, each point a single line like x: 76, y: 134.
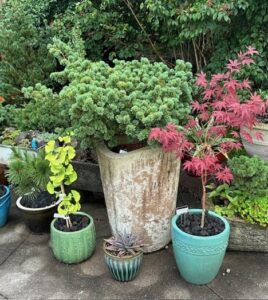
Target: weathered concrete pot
x: 88, y: 176
x: 258, y: 147
x: 140, y: 189
x: 247, y: 237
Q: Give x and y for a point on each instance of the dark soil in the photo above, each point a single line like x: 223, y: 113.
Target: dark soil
x: 38, y: 200
x: 263, y: 119
x: 190, y: 223
x: 128, y: 147
x: 79, y: 222
x: 2, y: 190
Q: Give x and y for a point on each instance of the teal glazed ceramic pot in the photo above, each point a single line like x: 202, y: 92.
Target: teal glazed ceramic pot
x: 199, y: 258
x: 4, y: 206
x: 73, y: 247
x: 123, y: 268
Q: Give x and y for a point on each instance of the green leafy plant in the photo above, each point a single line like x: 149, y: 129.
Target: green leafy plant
x: 124, y: 244
x: 27, y: 172
x: 24, y: 58
x: 124, y: 100
x: 247, y: 196
x: 63, y: 173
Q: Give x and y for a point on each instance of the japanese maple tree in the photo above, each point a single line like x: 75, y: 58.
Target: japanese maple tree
x: 220, y: 113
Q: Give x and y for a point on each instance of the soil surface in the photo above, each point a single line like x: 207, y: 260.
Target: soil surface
x: 263, y: 119
x: 79, y: 222
x: 38, y: 200
x: 2, y: 190
x: 190, y: 223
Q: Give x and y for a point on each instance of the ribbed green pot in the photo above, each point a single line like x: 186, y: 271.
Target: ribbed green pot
x: 123, y: 268
x: 73, y: 247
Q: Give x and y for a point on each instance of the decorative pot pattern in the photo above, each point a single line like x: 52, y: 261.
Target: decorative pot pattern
x: 73, y: 247
x: 140, y: 189
x: 5, y: 201
x: 123, y: 269
x: 199, y: 258
x: 258, y: 147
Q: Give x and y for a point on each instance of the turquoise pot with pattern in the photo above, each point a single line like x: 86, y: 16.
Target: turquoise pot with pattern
x: 199, y: 258
x: 123, y: 268
x: 5, y: 201
x: 73, y: 247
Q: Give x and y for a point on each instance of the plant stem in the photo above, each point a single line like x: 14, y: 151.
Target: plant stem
x: 203, y: 199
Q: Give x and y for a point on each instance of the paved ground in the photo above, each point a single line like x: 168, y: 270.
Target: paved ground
x: 28, y: 270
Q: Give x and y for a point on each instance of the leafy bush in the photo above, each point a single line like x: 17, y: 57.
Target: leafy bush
x: 247, y: 196
x: 127, y: 99
x: 45, y: 111
x: 24, y: 58
x: 250, y: 175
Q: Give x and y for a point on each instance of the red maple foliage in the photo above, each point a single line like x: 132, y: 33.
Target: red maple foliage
x: 220, y: 113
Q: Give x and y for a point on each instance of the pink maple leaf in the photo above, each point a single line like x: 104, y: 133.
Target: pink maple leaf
x: 225, y: 175
x: 233, y: 65
x: 201, y: 79
x: 251, y: 50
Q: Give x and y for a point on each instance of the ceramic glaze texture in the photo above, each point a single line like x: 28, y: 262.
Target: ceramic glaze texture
x: 123, y: 269
x: 258, y: 147
x: 4, y: 207
x: 73, y: 247
x: 140, y: 189
x: 199, y: 258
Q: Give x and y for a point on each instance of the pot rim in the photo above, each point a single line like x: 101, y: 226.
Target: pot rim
x: 120, y: 258
x: 74, y: 232
x: 196, y: 237
x: 102, y: 148
x: 20, y: 206
x: 258, y: 126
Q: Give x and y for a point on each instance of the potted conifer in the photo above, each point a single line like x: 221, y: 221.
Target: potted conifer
x: 73, y: 236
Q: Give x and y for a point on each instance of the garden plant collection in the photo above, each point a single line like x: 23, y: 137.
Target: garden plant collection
x: 102, y: 82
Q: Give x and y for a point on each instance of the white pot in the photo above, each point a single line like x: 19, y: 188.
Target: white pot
x: 258, y: 147
x: 140, y: 189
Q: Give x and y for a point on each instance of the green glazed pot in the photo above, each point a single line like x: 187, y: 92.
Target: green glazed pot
x: 199, y: 258
x: 73, y: 247
x: 123, y: 268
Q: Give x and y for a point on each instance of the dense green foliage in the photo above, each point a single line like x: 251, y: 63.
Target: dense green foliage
x: 24, y: 58
x: 126, y: 99
x: 247, y: 196
x: 28, y: 173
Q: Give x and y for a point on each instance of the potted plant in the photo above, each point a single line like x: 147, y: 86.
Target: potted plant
x: 244, y: 203
x: 200, y: 238
x: 29, y: 176
x: 4, y: 204
x: 110, y: 105
x: 73, y: 236
x: 123, y: 255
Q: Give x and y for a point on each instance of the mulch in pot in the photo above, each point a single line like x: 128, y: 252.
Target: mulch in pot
x: 79, y: 222
x: 190, y: 223
x: 38, y: 200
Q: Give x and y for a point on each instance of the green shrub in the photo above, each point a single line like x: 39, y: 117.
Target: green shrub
x: 247, y: 196
x: 126, y: 99
x: 24, y: 58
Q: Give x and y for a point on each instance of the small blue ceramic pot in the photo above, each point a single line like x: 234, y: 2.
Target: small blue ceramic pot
x: 4, y: 206
x: 123, y: 268
x: 199, y: 258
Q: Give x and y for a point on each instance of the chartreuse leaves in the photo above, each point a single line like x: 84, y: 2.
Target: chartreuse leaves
x: 59, y: 156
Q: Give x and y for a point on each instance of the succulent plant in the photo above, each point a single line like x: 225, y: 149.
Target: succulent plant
x: 124, y: 244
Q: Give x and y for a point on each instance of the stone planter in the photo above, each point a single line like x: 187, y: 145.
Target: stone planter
x: 140, y: 189
x: 88, y: 176
x: 247, y: 237
x: 258, y: 147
